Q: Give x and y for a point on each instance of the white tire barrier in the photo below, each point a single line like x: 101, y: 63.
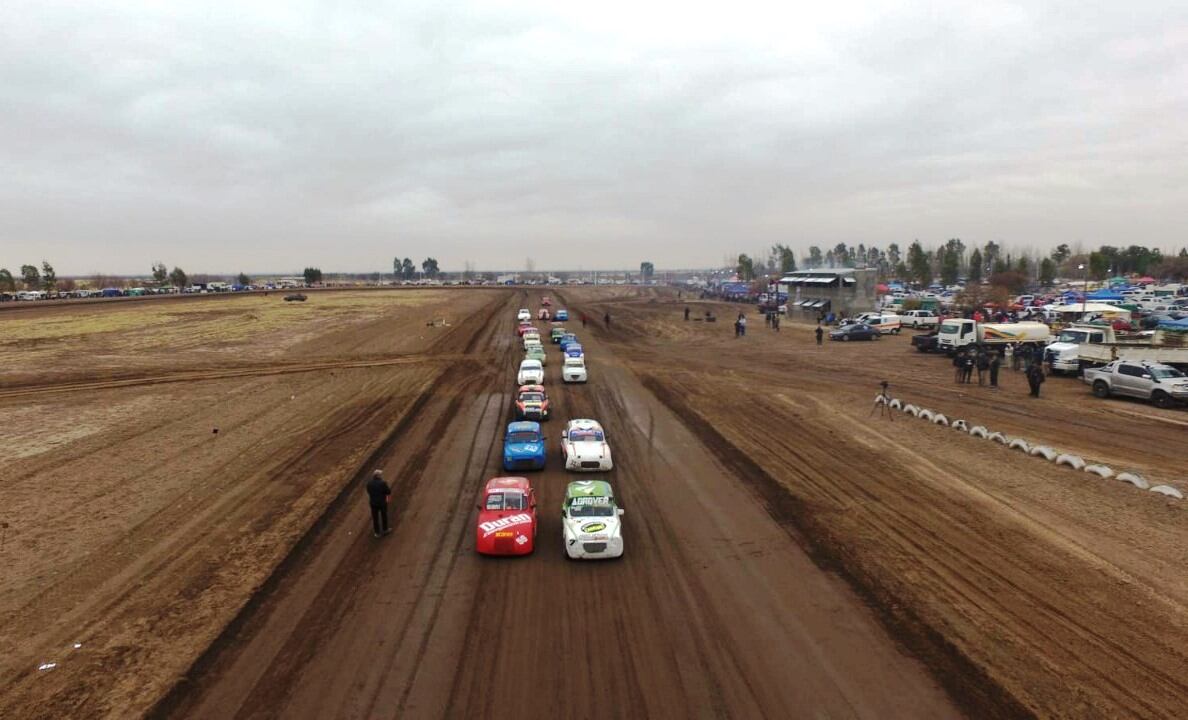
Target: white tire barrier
x: 997, y: 437
x: 1019, y: 444
x: 895, y: 404
x: 1102, y: 471
x: 1135, y: 479
x: 926, y: 415
x: 1073, y: 461
x: 978, y: 431
x: 1044, y: 451
x: 1169, y: 491
x: 940, y: 419
x: 959, y: 425
x: 911, y: 409
x: 880, y: 399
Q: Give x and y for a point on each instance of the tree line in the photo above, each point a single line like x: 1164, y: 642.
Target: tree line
x: 403, y: 269
x: 992, y: 262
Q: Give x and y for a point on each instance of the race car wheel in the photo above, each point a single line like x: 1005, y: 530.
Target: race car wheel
x: 1163, y: 400
x: 1100, y: 389
x: 845, y: 338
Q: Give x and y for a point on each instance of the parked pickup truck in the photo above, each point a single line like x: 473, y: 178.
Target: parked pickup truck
x: 919, y: 319
x: 927, y: 342
x: 1161, y: 384
x: 1085, y: 346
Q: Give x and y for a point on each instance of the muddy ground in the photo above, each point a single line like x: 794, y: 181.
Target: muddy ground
x: 788, y: 555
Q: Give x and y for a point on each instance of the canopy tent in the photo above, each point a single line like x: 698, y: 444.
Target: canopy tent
x: 1104, y: 294
x: 1147, y: 280
x: 1118, y: 280
x: 882, y: 288
x: 1089, y: 308
x: 1181, y: 324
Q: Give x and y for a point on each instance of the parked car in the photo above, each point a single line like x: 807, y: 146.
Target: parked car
x: 854, y: 331
x: 927, y: 342
x: 591, y: 522
x: 1161, y: 384
x: 920, y: 319
x: 531, y: 373
x: 506, y: 523
x: 523, y: 446
x: 885, y: 323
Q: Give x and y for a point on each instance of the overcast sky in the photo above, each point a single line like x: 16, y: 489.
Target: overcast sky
x: 591, y: 135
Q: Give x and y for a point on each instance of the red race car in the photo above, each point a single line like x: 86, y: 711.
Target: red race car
x: 532, y: 403
x: 546, y: 301
x: 507, y: 518
x: 524, y: 327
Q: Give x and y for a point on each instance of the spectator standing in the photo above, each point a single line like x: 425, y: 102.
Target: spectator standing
x: 686, y: 313
x: 995, y: 360
x: 819, y: 333
x: 1035, y: 378
x: 378, y: 494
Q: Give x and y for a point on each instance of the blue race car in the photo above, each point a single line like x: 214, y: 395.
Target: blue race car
x: 567, y: 339
x: 562, y: 314
x: 574, y: 350
x: 523, y: 447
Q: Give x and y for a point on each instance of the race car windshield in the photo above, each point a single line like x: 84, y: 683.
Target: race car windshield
x: 523, y: 437
x: 1165, y: 373
x: 585, y: 435
x: 507, y: 501
x: 532, y: 398
x: 590, y: 510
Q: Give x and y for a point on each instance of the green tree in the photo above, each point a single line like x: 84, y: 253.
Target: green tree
x: 429, y: 267
x: 975, y: 266
x: 950, y: 266
x: 919, y: 265
x: 408, y: 271
x: 1047, y: 271
x: 178, y: 278
x: 646, y: 271
x: 7, y: 281
x: 842, y: 255
x: 159, y: 273
x: 785, y: 258
x: 49, y: 278
x: 814, y: 257
x: 893, y: 257
x: 397, y: 267
x: 312, y: 275
x: 1060, y: 254
x: 1022, y: 267
x: 31, y: 277
x: 901, y: 271
x: 1099, y: 265
x: 243, y: 279
x: 745, y: 268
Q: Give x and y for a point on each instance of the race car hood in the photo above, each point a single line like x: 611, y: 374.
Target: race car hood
x: 592, y: 528
x: 493, y: 521
x: 524, y: 448
x: 589, y: 449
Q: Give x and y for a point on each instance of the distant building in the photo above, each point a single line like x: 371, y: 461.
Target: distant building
x: 825, y: 290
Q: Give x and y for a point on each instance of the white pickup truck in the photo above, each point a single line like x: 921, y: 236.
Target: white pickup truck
x: 1161, y: 384
x: 1085, y: 346
x: 919, y: 319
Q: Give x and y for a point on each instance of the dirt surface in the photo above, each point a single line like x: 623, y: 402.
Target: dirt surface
x: 787, y: 554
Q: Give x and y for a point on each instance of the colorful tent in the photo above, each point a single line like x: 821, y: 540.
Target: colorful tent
x: 1148, y: 280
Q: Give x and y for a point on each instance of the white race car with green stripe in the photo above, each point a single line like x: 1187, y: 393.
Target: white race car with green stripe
x: 591, y: 521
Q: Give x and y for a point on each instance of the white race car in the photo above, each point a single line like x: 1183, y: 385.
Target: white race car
x: 583, y: 443
x: 591, y: 522
x: 532, y: 337
x: 574, y: 370
x: 525, y: 315
x: 531, y: 373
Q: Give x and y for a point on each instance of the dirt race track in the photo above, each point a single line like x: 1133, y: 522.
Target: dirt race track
x: 787, y: 555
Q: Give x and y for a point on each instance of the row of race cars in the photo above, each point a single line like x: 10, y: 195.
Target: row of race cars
x: 590, y: 517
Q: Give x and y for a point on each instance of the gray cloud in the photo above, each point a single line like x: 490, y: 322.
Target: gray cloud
x: 271, y: 137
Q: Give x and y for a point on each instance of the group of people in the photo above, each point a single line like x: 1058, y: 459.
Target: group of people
x: 988, y: 361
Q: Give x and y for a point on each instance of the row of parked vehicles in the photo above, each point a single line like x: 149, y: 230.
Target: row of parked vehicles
x: 590, y: 516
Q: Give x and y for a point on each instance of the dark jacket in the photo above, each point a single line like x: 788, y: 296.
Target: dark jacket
x: 1035, y: 374
x: 378, y: 491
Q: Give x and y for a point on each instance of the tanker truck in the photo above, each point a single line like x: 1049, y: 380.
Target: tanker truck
x: 956, y: 333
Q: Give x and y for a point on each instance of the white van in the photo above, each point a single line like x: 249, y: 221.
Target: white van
x: 884, y: 323
x: 920, y: 319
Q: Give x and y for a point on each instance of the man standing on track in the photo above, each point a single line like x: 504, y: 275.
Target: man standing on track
x: 819, y: 333
x: 1035, y: 378
x: 606, y: 319
x: 378, y: 494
